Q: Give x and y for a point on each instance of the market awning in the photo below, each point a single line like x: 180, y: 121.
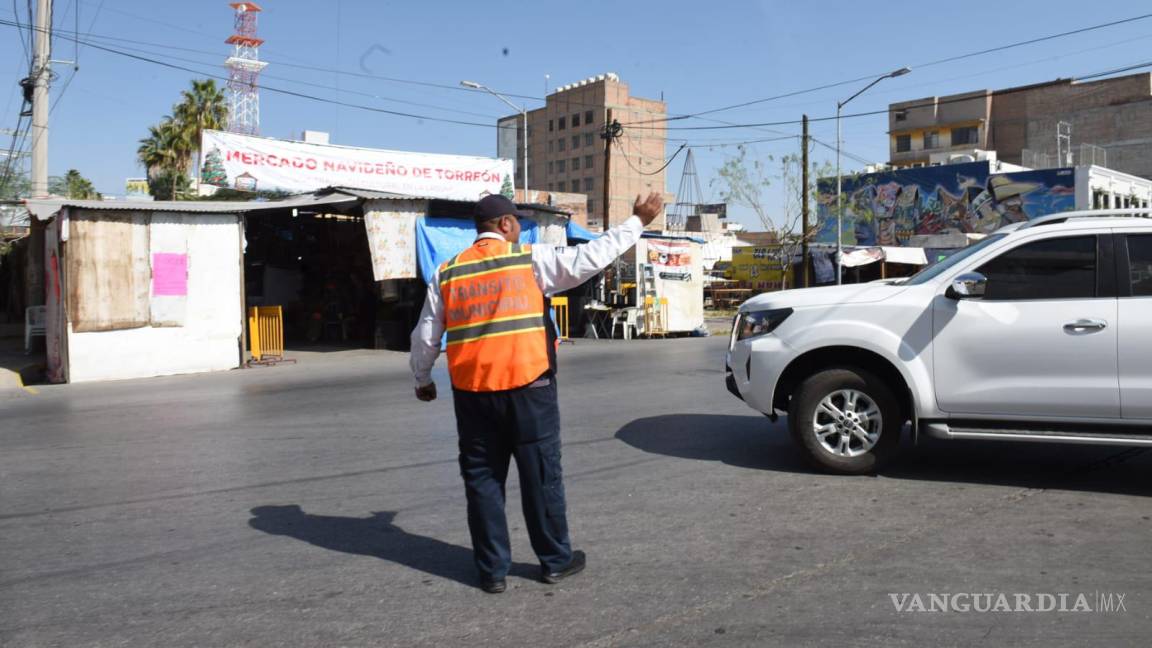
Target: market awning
x: 865, y: 256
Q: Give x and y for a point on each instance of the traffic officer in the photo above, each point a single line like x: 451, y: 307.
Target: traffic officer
x: 491, y: 300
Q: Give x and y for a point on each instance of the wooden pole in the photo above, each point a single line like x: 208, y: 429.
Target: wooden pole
x: 804, y: 260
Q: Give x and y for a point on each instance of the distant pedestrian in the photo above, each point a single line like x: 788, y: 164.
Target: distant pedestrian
x: 491, y: 299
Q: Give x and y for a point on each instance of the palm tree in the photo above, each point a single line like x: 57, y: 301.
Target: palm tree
x: 164, y: 154
x: 203, y: 107
x: 73, y: 185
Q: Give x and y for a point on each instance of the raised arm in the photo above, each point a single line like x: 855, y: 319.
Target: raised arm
x: 566, y: 269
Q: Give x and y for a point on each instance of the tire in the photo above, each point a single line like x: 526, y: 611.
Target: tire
x: 863, y: 439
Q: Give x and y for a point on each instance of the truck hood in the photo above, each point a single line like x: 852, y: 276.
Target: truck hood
x: 826, y: 296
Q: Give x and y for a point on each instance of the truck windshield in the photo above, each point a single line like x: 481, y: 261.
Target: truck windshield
x: 935, y: 270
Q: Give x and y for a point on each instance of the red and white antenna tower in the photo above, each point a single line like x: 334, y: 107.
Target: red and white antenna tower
x: 244, y: 68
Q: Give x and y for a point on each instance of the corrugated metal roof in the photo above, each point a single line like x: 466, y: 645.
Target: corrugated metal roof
x: 46, y: 208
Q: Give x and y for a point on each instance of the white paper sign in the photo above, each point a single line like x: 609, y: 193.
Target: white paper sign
x: 260, y: 163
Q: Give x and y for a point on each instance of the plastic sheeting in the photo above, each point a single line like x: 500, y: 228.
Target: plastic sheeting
x: 439, y: 239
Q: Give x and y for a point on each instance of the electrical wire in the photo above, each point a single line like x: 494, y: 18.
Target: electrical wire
x: 283, y: 91
x: 624, y: 154
x: 917, y: 66
x: 870, y: 113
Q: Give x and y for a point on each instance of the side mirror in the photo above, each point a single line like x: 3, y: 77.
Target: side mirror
x: 970, y: 285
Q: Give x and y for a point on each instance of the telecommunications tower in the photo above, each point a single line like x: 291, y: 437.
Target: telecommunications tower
x: 244, y: 68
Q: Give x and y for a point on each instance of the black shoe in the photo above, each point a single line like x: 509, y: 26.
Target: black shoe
x: 579, y: 561
x: 493, y: 586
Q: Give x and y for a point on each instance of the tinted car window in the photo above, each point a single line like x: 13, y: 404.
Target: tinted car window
x: 1062, y: 268
x: 1140, y: 264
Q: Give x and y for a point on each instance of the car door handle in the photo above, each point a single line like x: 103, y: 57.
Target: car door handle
x: 1082, y: 325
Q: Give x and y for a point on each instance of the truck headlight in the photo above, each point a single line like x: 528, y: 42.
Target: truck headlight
x: 754, y: 323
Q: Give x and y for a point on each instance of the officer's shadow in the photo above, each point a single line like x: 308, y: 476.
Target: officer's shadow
x: 375, y: 536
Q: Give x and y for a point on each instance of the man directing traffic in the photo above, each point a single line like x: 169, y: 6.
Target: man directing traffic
x: 491, y: 301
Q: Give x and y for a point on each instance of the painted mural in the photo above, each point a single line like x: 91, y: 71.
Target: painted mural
x: 890, y: 207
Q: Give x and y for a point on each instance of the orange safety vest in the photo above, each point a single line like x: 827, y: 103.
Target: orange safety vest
x: 494, y: 317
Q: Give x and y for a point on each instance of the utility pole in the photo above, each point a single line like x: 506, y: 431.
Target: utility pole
x: 804, y: 260
x: 612, y: 130
x: 41, y: 66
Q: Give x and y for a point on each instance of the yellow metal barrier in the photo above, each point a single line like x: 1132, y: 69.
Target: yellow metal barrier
x: 266, y: 335
x: 560, y: 312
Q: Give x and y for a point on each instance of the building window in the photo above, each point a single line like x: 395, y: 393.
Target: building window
x: 575, y: 186
x: 575, y: 163
x: 575, y: 141
x: 587, y: 139
x: 559, y: 166
x: 560, y: 124
x: 931, y: 139
x: 903, y: 143
x: 549, y: 146
x: 560, y: 144
x: 588, y: 183
x: 900, y: 115
x: 588, y: 117
x: 965, y: 135
x: 591, y: 206
x: 575, y: 120
x: 550, y: 125
x: 550, y: 167
x: 587, y: 161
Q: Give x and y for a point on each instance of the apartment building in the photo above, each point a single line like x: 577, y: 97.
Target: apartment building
x: 566, y: 151
x: 1066, y: 120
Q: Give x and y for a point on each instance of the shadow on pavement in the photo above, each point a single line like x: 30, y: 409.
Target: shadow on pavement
x: 376, y: 536
x: 753, y: 442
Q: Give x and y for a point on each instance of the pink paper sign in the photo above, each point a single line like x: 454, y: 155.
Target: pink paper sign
x: 169, y: 274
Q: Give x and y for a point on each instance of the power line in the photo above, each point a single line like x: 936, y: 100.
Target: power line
x: 282, y: 91
x: 648, y: 173
x: 949, y: 59
x: 869, y: 113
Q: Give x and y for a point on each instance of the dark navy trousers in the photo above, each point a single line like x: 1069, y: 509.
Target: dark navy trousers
x: 494, y: 427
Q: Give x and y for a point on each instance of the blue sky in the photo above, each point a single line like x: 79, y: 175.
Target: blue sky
x: 698, y: 55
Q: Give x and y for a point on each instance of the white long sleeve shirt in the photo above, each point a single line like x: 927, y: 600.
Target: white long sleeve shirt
x: 556, y: 270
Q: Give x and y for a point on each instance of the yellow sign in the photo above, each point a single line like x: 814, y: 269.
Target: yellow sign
x: 759, y: 266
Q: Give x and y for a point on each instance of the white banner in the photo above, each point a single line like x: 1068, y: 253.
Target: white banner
x: 261, y: 163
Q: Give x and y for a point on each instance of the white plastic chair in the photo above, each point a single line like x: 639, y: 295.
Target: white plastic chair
x: 627, y: 319
x: 35, y: 324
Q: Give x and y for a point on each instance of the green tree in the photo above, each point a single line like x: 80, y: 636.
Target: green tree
x: 203, y: 107
x: 73, y: 185
x: 744, y: 180
x: 167, y: 152
x: 506, y: 188
x: 14, y: 183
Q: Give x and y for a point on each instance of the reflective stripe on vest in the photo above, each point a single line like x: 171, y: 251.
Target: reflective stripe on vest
x: 494, y: 317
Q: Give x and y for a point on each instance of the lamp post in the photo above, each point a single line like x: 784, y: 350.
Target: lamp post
x: 523, y: 112
x: 839, y: 202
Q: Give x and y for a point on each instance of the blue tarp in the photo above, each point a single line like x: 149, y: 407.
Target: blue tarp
x: 576, y: 233
x: 439, y: 239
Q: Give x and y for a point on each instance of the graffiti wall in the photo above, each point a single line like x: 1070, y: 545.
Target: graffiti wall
x: 890, y: 207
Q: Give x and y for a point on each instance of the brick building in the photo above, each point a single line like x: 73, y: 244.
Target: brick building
x: 1113, y: 114
x: 566, y: 152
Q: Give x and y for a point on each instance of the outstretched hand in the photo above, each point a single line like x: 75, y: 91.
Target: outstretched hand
x: 648, y: 208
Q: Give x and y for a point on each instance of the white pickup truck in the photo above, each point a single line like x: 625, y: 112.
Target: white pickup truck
x: 1040, y: 332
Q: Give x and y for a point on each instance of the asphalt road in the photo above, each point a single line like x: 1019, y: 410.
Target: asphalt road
x: 320, y: 505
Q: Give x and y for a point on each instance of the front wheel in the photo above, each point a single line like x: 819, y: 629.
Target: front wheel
x: 846, y: 421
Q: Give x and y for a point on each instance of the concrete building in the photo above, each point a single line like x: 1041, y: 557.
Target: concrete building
x: 1022, y: 125
x: 566, y: 152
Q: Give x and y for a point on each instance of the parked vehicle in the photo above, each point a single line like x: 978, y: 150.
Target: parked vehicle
x: 1040, y: 332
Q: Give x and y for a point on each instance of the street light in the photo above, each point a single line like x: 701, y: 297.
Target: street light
x: 523, y: 112
x: 839, y: 202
